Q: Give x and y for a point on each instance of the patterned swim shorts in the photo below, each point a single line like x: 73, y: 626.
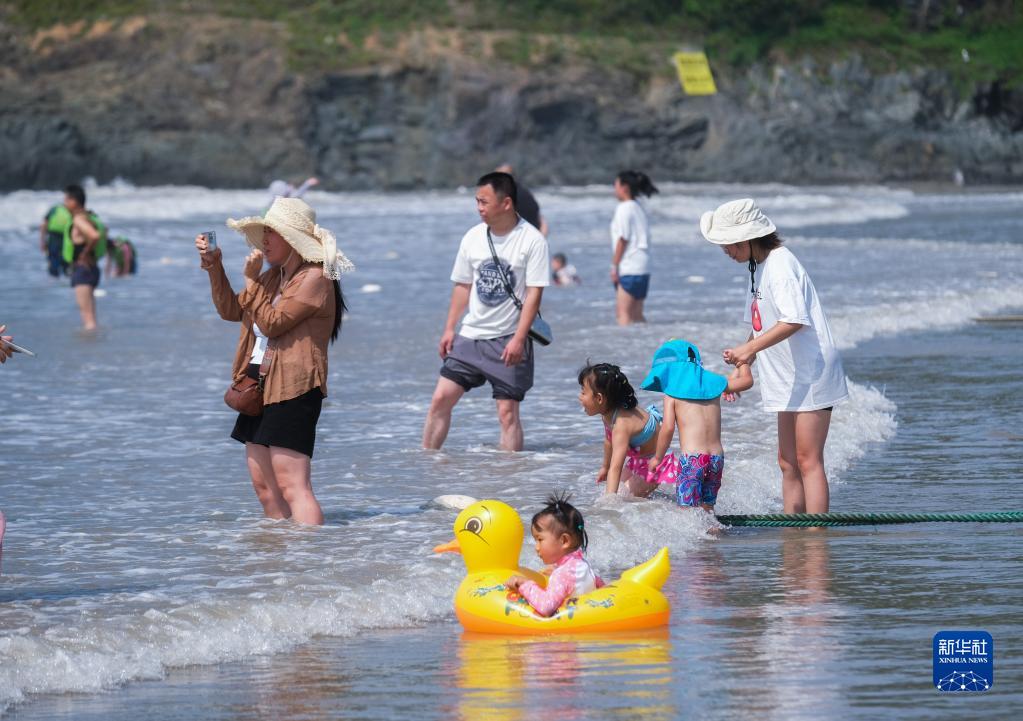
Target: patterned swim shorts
x: 699, y: 479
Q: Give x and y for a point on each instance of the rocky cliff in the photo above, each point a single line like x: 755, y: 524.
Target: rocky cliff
x: 212, y: 101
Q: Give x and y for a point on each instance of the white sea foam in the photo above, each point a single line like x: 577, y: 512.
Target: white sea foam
x: 948, y: 310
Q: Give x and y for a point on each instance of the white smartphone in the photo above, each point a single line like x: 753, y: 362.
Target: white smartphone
x: 211, y: 240
x: 17, y: 348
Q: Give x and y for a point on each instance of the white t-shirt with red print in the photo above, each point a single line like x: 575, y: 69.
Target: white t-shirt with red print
x: 803, y: 372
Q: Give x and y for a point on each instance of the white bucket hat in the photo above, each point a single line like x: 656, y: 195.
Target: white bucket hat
x: 736, y: 221
x: 296, y: 222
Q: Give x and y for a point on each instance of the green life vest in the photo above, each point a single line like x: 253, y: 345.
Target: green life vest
x: 101, y: 245
x: 58, y: 220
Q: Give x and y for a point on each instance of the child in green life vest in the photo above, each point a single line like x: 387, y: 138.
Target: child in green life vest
x: 122, y: 259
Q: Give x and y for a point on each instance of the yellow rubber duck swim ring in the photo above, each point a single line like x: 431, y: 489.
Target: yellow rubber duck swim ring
x: 489, y: 536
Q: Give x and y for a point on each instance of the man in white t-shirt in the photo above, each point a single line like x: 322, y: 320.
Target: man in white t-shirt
x: 493, y: 342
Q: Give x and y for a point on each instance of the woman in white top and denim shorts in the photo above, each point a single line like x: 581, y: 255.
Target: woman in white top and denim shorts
x: 630, y: 246
x: 799, y: 370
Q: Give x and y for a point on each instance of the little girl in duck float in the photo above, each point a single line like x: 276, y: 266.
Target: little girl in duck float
x: 560, y: 542
x: 499, y: 596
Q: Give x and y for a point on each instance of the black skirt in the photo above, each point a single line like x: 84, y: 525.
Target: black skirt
x: 289, y: 424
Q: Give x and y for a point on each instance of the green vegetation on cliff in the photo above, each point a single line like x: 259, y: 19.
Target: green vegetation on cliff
x: 976, y: 40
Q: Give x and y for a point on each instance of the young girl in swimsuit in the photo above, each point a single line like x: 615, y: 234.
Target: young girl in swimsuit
x: 560, y: 537
x: 630, y: 433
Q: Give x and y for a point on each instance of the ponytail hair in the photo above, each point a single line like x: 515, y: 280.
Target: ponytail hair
x: 566, y: 517
x: 609, y: 380
x: 339, y: 310
x: 638, y: 183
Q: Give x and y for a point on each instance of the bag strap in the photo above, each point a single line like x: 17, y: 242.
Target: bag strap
x: 500, y: 269
x: 271, y: 345
x: 264, y: 366
x: 507, y: 283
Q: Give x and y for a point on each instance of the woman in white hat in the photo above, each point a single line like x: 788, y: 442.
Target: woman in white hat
x: 288, y: 315
x: 799, y: 371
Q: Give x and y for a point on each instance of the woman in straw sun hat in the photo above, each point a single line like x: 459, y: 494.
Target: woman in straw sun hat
x: 799, y: 370
x: 288, y: 315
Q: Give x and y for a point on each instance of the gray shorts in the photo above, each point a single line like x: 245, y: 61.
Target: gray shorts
x: 471, y: 363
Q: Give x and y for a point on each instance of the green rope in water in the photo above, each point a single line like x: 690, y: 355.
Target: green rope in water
x: 866, y: 519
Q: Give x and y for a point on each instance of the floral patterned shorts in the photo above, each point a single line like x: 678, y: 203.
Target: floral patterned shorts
x: 699, y: 479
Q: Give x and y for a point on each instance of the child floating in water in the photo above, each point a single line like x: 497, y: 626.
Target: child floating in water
x: 630, y: 433
x: 692, y: 401
x: 560, y: 543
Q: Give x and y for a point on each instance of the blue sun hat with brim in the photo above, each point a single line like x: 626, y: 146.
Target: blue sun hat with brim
x: 676, y: 371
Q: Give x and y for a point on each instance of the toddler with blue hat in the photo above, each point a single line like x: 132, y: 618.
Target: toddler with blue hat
x: 692, y: 401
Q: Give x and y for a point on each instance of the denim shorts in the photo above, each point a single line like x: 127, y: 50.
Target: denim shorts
x: 635, y: 285
x: 84, y: 275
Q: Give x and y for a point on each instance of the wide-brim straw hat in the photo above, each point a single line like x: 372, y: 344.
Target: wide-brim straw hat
x: 296, y: 222
x: 735, y: 221
x: 676, y: 371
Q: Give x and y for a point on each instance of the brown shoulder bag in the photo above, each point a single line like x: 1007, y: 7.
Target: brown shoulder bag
x: 246, y: 396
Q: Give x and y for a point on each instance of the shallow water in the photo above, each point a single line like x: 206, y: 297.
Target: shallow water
x: 135, y: 550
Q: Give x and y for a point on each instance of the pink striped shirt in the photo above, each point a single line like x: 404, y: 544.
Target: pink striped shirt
x: 572, y: 576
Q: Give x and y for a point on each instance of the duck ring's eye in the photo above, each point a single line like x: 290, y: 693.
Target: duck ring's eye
x: 474, y: 525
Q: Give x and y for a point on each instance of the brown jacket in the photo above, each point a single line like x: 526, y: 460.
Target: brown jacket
x: 299, y: 327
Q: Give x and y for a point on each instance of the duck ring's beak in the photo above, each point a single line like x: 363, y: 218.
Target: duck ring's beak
x: 449, y: 547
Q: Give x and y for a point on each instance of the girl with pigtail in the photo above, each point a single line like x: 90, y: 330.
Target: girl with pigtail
x: 560, y: 535
x: 630, y: 432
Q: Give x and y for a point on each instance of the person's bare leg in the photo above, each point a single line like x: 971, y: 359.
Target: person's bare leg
x: 637, y: 311
x: 811, y: 433
x: 793, y: 500
x: 438, y: 418
x: 511, y: 425
x: 86, y: 305
x: 264, y: 483
x: 637, y: 485
x: 292, y: 470
x: 623, y: 306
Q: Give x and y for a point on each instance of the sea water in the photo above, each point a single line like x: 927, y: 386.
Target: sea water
x: 139, y: 576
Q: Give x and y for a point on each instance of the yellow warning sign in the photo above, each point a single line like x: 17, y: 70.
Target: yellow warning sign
x: 694, y: 74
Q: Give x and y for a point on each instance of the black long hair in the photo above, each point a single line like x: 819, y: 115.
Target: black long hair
x: 339, y: 310
x: 609, y: 380
x: 566, y: 517
x: 767, y: 243
x: 638, y: 183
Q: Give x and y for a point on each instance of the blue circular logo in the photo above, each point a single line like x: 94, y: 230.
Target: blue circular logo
x: 490, y: 286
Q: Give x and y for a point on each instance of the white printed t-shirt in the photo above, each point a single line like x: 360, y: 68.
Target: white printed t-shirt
x: 803, y: 372
x: 630, y: 222
x: 523, y: 253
